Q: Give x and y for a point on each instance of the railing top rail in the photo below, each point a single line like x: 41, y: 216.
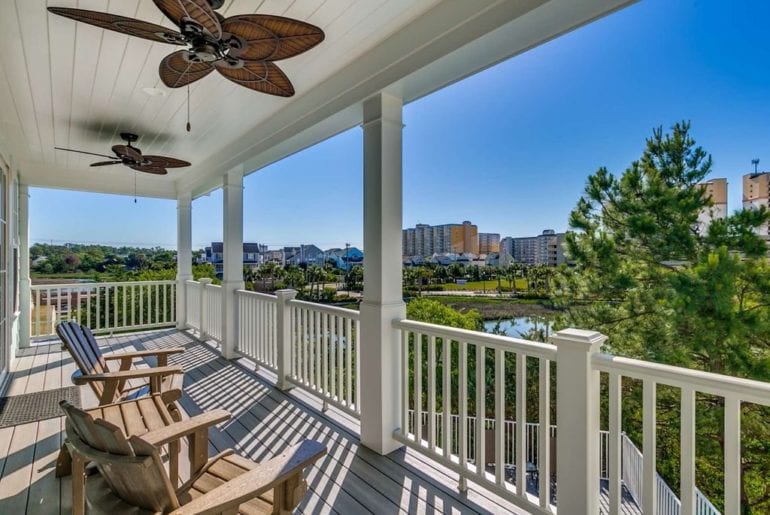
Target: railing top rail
x: 747, y: 390
x: 323, y: 308
x: 262, y: 296
x: 211, y: 285
x: 99, y: 284
x: 192, y: 281
x: 530, y: 348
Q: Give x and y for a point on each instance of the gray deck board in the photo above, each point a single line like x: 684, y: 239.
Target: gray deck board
x: 265, y: 421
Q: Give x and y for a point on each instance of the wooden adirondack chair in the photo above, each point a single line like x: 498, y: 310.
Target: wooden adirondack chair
x: 140, y: 417
x: 110, y: 385
x: 132, y: 476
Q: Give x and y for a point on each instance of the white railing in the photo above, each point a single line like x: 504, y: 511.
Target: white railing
x: 732, y: 391
x: 325, y: 358
x: 446, y: 349
x: 212, y: 311
x: 193, y: 304
x: 104, y: 307
x: 257, y: 327
x: 509, y: 436
x: 668, y: 502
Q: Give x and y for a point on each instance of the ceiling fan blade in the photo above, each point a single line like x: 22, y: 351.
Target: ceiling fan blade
x: 132, y: 153
x: 84, y: 152
x: 262, y: 76
x: 149, y: 169
x: 271, y: 38
x: 164, y: 162
x: 198, y: 11
x: 107, y: 163
x: 121, y: 24
x: 176, y: 70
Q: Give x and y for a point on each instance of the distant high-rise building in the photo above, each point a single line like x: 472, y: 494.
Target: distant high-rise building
x: 544, y: 249
x: 716, y: 190
x: 426, y: 240
x: 489, y: 242
x: 756, y: 193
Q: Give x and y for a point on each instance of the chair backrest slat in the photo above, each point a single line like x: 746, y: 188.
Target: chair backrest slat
x: 94, y: 346
x: 88, y: 360
x: 91, y: 350
x: 68, y: 338
x: 132, y: 468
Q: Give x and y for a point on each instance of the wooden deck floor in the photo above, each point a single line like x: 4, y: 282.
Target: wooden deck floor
x: 349, y: 480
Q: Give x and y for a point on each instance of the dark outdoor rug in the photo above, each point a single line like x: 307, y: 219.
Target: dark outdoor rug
x: 31, y: 407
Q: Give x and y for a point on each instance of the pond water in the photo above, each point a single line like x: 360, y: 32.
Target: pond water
x: 519, y: 327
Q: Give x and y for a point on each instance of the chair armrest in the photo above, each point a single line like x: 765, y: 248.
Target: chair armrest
x: 122, y: 375
x: 142, y: 353
x: 255, y: 482
x: 177, y: 430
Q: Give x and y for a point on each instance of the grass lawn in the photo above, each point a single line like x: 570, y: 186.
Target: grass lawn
x: 491, y: 285
x: 495, y: 309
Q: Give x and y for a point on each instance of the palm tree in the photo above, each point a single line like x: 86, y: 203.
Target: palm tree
x: 425, y: 273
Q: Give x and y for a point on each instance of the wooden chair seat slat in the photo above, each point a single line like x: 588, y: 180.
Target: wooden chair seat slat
x: 113, y: 415
x: 133, y: 422
x: 150, y: 413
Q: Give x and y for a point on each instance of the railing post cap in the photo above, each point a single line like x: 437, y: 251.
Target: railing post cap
x: 286, y: 294
x: 589, y: 341
x: 205, y: 280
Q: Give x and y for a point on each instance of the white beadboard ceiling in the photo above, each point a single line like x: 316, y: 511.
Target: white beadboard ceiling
x: 69, y: 84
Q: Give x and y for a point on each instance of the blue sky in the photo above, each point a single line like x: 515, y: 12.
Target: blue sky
x: 509, y: 148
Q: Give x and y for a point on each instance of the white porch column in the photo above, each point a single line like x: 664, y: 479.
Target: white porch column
x: 183, y: 256
x: 25, y: 295
x: 232, y: 260
x: 577, y: 410
x: 383, y: 301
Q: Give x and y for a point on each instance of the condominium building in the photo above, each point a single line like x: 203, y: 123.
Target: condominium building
x: 489, y: 242
x: 756, y: 193
x: 426, y: 240
x: 716, y: 190
x: 544, y: 249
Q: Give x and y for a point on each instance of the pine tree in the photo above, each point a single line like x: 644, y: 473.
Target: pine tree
x: 663, y: 292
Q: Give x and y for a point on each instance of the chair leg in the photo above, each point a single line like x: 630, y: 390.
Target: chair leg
x: 289, y: 494
x: 78, y: 485
x: 63, y: 462
x: 198, y: 450
x: 173, y: 463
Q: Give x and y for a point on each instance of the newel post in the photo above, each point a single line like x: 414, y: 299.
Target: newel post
x: 202, y: 304
x: 283, y: 337
x: 577, y: 416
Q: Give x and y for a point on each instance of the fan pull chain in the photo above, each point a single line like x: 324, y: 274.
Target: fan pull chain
x: 188, y: 109
x: 134, y: 186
